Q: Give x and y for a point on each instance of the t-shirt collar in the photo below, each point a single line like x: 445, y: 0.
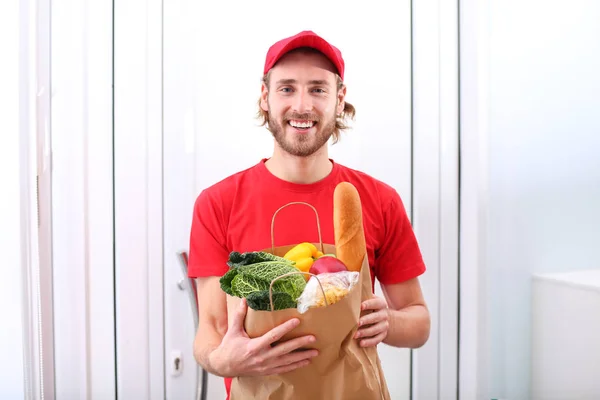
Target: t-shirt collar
x: 278, y: 183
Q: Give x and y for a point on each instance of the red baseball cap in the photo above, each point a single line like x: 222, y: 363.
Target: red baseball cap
x: 305, y: 39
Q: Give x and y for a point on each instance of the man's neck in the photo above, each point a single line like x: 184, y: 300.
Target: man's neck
x: 301, y: 170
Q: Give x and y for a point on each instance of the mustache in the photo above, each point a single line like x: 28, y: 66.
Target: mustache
x: 302, y: 117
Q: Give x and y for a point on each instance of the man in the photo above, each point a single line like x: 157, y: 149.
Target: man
x: 303, y: 104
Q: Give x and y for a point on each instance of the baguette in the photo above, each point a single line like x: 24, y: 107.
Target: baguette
x: 350, y: 243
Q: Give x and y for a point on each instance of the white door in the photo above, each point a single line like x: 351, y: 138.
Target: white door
x: 200, y: 64
x: 213, y: 58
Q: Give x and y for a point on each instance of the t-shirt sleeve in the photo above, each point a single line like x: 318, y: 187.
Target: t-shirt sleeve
x: 399, y: 257
x: 208, y: 253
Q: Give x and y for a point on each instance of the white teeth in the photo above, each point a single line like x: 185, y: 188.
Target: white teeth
x: 297, y: 124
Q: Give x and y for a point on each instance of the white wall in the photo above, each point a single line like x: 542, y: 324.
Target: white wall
x: 544, y: 166
x: 12, y: 311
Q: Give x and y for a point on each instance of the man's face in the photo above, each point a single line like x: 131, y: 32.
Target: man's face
x: 302, y: 102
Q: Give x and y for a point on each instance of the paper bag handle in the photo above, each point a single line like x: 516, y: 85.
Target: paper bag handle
x: 289, y: 204
x: 294, y: 273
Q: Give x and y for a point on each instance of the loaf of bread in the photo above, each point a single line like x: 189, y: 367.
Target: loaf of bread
x: 350, y: 244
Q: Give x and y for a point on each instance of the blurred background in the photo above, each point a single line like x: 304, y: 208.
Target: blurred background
x: 483, y: 114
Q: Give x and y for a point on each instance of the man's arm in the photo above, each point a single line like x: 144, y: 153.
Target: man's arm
x: 408, y: 314
x: 212, y: 321
x: 401, y: 319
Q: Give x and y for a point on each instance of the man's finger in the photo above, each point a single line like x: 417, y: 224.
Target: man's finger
x: 293, y: 358
x: 374, y: 341
x: 277, y: 333
x: 290, y: 367
x: 376, y: 303
x: 237, y: 322
x: 291, y: 345
x: 373, y: 330
x: 372, y: 318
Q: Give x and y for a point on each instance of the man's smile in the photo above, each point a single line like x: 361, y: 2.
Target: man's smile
x: 299, y: 124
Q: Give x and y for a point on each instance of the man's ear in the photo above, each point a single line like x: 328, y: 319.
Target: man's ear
x: 264, y: 93
x: 341, y: 96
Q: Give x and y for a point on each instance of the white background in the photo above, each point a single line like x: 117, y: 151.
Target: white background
x: 529, y: 182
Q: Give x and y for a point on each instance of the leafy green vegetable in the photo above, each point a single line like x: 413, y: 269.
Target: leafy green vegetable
x: 237, y: 259
x: 293, y: 285
x: 244, y: 284
x: 248, y: 281
x: 251, y: 274
x: 227, y: 279
x: 269, y: 270
x: 260, y: 301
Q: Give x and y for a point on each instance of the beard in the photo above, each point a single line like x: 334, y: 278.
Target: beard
x: 300, y: 145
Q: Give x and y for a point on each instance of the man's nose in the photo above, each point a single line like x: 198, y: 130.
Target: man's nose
x: 302, y: 102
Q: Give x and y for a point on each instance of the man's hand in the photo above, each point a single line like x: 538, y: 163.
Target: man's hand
x: 238, y: 355
x: 373, y: 327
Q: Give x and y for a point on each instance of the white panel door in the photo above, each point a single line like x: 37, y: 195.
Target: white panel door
x: 213, y: 58
x: 187, y: 81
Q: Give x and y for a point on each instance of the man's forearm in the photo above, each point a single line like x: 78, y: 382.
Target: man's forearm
x: 408, y: 327
x: 204, y: 355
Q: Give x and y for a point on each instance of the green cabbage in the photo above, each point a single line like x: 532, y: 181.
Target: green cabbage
x: 251, y: 274
x: 260, y: 301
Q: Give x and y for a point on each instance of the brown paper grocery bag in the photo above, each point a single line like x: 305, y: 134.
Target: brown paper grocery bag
x: 342, y: 371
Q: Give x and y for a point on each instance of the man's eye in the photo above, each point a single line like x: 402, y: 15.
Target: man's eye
x: 286, y: 89
x: 319, y: 90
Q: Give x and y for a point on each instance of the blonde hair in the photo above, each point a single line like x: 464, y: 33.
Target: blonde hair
x: 340, y: 120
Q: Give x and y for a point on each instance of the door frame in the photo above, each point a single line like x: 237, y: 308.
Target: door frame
x: 436, y: 190
x: 474, y: 145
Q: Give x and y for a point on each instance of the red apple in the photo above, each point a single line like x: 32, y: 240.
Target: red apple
x: 327, y: 264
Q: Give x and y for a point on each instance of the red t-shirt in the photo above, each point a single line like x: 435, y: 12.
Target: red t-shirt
x: 235, y: 215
